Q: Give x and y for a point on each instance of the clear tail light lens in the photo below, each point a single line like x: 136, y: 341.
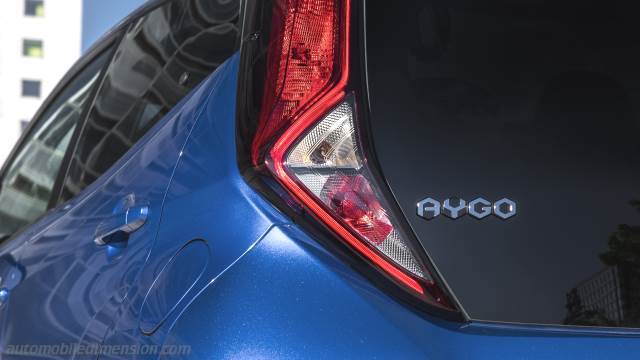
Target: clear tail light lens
x: 325, y: 169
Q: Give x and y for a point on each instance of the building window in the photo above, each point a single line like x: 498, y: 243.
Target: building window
x: 32, y: 48
x: 31, y: 88
x: 34, y: 8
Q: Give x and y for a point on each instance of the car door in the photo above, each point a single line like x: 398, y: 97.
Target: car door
x: 81, y: 268
x: 28, y: 180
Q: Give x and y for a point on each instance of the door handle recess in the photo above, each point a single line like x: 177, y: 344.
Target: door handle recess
x: 122, y: 223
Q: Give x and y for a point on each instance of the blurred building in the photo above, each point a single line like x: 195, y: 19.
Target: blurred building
x: 39, y: 41
x: 597, y: 300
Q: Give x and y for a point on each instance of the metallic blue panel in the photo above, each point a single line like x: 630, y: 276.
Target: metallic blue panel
x: 173, y: 283
x: 288, y: 297
x: 74, y: 290
x: 207, y: 200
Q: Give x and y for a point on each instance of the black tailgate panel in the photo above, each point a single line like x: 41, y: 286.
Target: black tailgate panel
x: 535, y: 101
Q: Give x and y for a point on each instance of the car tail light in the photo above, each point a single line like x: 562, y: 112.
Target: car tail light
x: 307, y: 62
x: 308, y: 137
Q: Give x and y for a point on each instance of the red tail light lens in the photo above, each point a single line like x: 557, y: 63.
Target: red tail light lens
x: 352, y: 199
x: 308, y: 137
x: 307, y: 60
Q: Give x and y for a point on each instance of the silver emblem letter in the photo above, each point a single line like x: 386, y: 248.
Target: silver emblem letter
x: 428, y: 208
x: 456, y: 211
x: 504, y: 208
x: 479, y: 208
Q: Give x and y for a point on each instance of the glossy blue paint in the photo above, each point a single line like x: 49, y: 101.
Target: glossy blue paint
x: 74, y: 289
x: 219, y: 269
x: 173, y: 282
x: 4, y: 295
x: 208, y: 200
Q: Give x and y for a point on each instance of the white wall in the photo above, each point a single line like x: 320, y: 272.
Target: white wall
x: 60, y: 30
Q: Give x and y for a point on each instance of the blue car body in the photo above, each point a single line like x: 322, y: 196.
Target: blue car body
x: 218, y: 269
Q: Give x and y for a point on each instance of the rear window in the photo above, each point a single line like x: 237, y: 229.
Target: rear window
x: 534, y: 101
x: 162, y: 57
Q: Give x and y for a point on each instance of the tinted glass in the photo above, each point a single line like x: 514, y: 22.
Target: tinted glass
x: 34, y: 7
x: 535, y: 101
x: 31, y: 88
x: 162, y: 57
x: 29, y: 179
x: 32, y: 48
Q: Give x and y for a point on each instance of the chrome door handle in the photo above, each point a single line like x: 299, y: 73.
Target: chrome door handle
x: 128, y: 222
